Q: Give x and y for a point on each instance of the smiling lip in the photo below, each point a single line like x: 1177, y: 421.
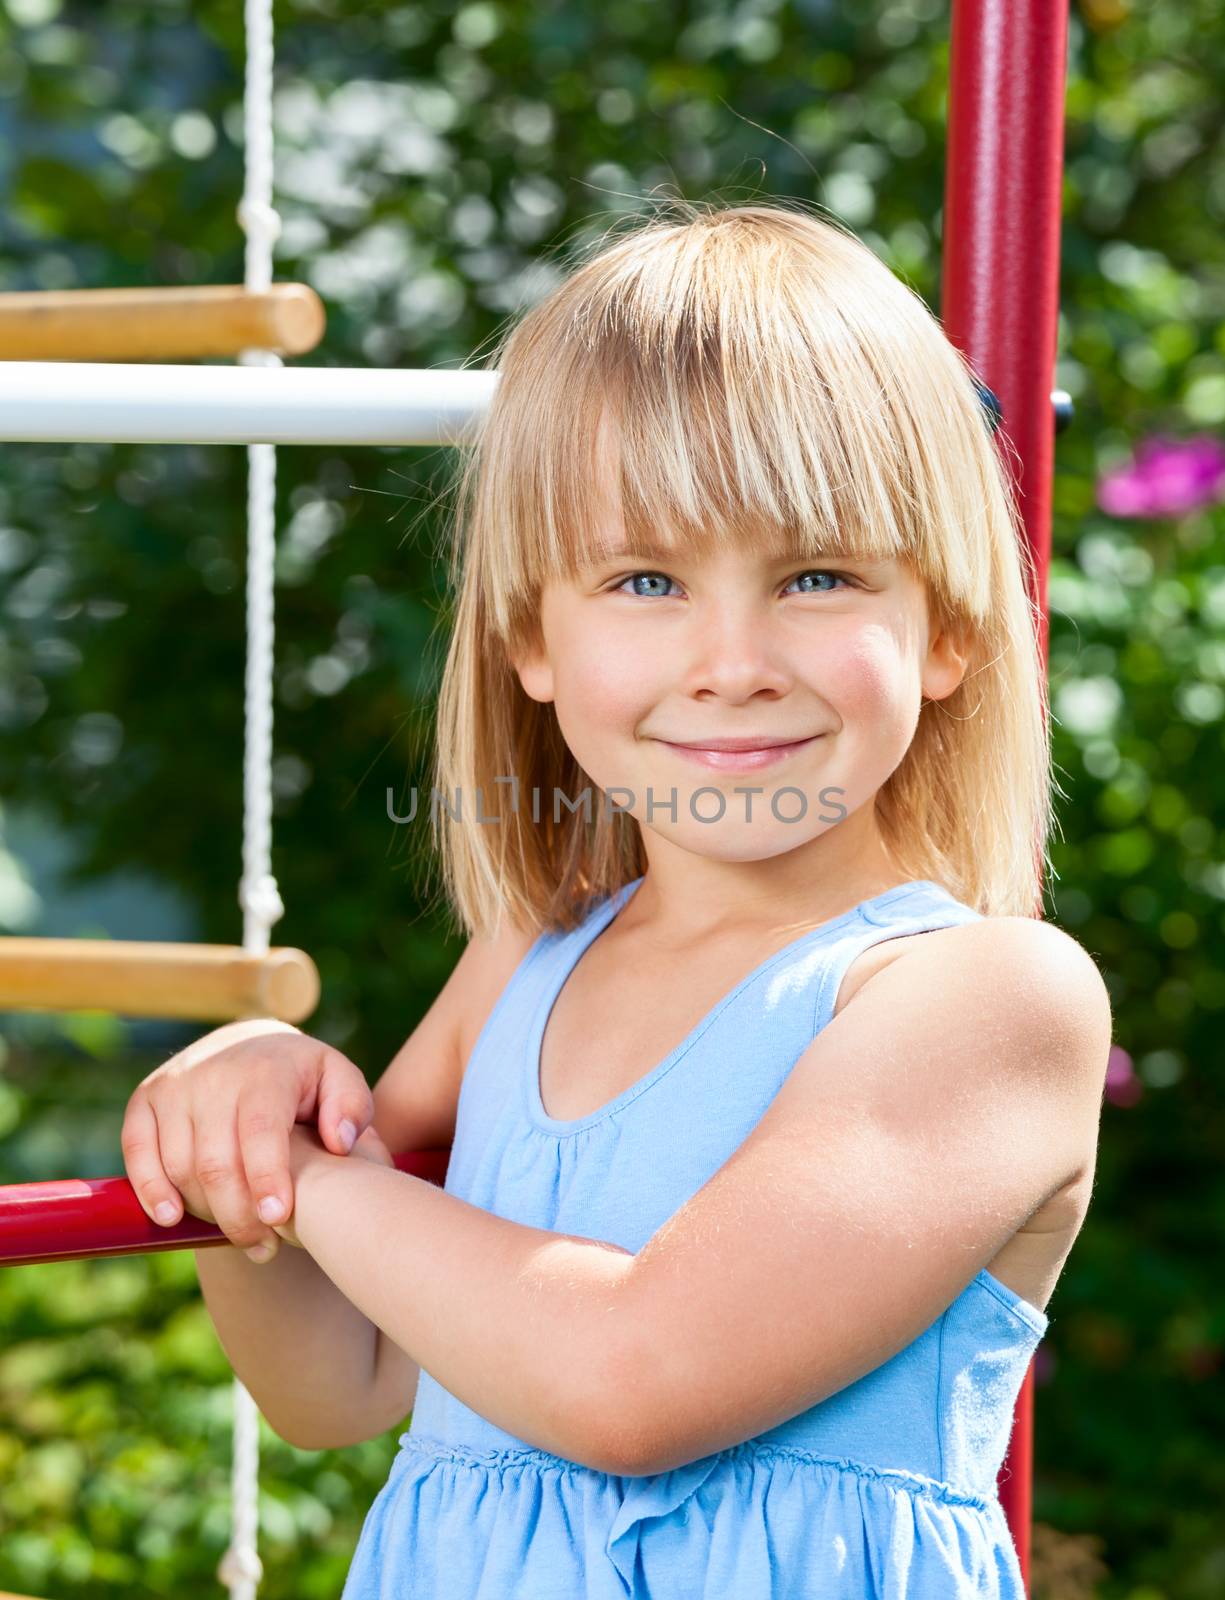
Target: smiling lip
x: 735, y: 755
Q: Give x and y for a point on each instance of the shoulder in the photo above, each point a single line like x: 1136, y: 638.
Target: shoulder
x: 1039, y: 959
x: 1049, y: 956
x: 1026, y: 943
x: 1004, y: 1021
x: 1028, y: 976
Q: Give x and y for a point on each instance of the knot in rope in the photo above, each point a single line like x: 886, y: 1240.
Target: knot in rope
x: 260, y: 221
x: 260, y: 898
x: 240, y: 1564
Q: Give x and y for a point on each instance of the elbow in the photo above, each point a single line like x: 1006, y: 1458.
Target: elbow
x: 625, y: 1403
x: 300, y: 1438
x: 304, y: 1435
x: 613, y: 1441
x: 638, y: 1420
x: 593, y: 1418
x: 617, y: 1446
x: 585, y: 1429
x: 638, y: 1445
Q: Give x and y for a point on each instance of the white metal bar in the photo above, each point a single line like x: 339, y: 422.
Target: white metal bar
x: 132, y: 403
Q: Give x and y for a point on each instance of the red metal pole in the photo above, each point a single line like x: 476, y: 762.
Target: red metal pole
x: 999, y: 306
x: 68, y: 1219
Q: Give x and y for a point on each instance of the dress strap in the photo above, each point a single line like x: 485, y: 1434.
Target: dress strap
x: 935, y: 908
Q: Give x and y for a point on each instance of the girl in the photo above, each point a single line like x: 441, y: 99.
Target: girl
x: 774, y: 1105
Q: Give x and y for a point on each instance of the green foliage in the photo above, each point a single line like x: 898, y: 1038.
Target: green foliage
x: 435, y: 163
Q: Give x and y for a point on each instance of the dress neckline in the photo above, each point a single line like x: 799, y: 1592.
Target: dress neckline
x: 576, y: 942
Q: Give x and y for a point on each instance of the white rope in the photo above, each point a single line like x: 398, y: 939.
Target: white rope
x: 240, y: 1569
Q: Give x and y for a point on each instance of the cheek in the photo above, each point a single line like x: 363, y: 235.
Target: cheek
x: 593, y: 711
x: 598, y: 700
x: 607, y: 688
x: 867, y: 677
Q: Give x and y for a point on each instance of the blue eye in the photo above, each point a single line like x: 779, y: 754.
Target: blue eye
x: 811, y: 572
x: 620, y: 587
x: 822, y: 572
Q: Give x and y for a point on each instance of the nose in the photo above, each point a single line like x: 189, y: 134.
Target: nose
x: 736, y: 652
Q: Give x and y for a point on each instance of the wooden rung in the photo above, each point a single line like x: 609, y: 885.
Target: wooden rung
x: 194, y: 982
x: 158, y: 324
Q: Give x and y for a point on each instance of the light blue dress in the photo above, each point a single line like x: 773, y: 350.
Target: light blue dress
x: 884, y: 1491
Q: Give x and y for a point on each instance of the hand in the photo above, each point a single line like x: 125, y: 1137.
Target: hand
x: 305, y: 1147
x: 209, y: 1131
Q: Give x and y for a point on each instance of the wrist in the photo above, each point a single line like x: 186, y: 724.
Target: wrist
x: 309, y: 1161
x: 309, y: 1168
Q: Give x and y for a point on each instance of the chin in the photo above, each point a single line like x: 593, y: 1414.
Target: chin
x: 744, y: 847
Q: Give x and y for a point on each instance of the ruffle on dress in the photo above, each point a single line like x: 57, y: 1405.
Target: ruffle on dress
x: 762, y: 1522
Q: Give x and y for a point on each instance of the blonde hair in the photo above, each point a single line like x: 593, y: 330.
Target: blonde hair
x: 772, y: 381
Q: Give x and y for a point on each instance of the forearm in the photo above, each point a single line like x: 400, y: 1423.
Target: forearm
x: 305, y: 1353
x: 522, y: 1325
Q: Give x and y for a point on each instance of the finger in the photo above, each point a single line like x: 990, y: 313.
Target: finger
x: 177, y: 1138
x: 370, y: 1145
x: 222, y: 1177
x: 263, y: 1139
x: 142, y: 1157
x: 346, y: 1105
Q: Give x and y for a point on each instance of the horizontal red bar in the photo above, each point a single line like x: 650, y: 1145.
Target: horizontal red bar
x: 70, y: 1219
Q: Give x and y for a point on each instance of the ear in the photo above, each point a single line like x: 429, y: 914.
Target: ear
x: 948, y: 656
x: 535, y: 673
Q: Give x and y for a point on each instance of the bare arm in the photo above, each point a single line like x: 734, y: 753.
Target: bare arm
x: 305, y: 1352
x: 289, y: 1332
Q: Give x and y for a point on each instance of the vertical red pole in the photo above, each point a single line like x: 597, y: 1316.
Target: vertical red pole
x: 999, y: 306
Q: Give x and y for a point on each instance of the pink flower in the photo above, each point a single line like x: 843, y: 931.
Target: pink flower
x: 1168, y: 478
x: 1123, y: 1088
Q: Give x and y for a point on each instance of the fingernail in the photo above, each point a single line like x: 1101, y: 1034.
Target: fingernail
x: 259, y: 1253
x: 271, y: 1209
x: 347, y: 1133
x: 166, y: 1212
